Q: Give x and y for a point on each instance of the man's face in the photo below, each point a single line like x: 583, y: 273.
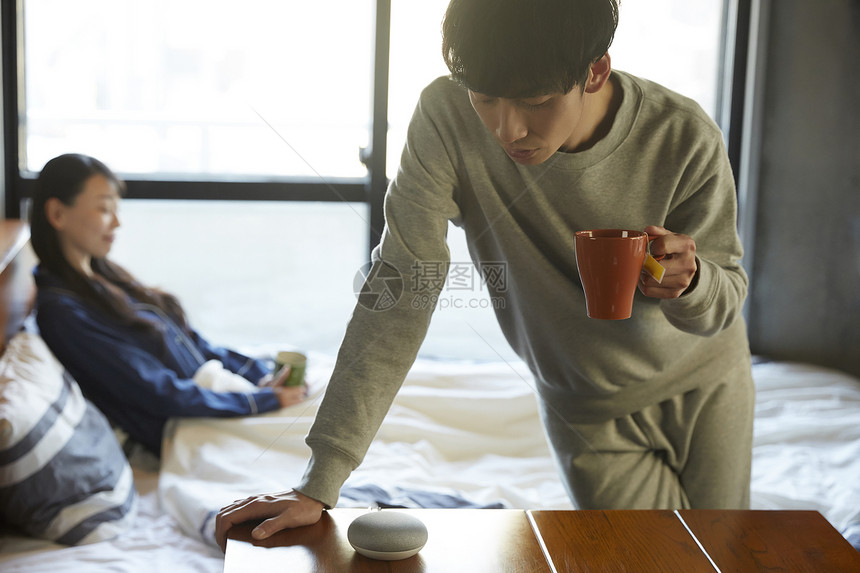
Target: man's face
x: 531, y: 129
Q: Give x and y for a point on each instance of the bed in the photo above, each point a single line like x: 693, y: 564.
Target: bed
x: 460, y: 434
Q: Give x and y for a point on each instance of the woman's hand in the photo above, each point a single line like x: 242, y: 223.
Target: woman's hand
x: 677, y: 254
x: 278, y: 510
x: 287, y: 395
x: 275, y: 379
x: 291, y: 395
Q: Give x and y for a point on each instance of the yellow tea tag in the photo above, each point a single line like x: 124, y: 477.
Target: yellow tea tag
x: 653, y: 268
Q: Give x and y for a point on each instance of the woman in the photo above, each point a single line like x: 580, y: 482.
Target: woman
x: 129, y: 346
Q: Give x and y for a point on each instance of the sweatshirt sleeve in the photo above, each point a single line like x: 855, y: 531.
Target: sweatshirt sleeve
x: 118, y: 375
x: 708, y: 214
x: 393, y: 313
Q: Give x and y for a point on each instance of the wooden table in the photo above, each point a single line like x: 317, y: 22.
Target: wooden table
x: 508, y: 540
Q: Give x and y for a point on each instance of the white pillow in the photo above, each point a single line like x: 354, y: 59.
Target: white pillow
x: 63, y: 475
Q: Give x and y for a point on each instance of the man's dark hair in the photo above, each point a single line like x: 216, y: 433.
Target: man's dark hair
x: 525, y: 48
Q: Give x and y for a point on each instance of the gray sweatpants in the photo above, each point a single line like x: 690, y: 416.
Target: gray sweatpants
x: 690, y: 452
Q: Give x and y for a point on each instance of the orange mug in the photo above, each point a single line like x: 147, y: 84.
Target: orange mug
x: 609, y: 263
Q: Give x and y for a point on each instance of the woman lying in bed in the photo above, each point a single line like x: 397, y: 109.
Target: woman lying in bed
x: 129, y: 346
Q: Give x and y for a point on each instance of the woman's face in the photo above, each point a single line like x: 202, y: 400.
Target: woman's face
x: 86, y: 227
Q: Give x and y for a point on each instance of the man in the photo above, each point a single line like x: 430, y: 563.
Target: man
x: 533, y: 138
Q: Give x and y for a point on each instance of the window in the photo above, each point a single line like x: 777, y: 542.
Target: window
x: 250, y: 273
x: 200, y: 87
x: 193, y: 94
x: 204, y: 87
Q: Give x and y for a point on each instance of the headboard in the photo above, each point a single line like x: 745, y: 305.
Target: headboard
x: 17, y: 289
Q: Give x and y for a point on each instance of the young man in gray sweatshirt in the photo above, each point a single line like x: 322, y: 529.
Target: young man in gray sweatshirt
x: 532, y: 138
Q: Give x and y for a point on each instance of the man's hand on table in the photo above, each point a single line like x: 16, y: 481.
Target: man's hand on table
x: 278, y: 510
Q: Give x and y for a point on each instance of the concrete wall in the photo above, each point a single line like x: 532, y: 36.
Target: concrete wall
x: 805, y: 291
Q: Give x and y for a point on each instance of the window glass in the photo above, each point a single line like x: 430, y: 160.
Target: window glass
x: 250, y: 274
x: 200, y: 86
x: 415, y: 60
x: 672, y: 42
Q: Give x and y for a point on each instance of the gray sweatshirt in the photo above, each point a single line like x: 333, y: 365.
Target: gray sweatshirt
x: 663, y: 162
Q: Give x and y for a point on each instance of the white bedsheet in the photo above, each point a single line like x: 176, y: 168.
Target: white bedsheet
x: 806, y: 451
x: 155, y: 544
x: 470, y: 429
x: 465, y: 429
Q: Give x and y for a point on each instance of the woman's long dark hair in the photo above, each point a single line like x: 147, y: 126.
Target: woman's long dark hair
x: 64, y: 178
